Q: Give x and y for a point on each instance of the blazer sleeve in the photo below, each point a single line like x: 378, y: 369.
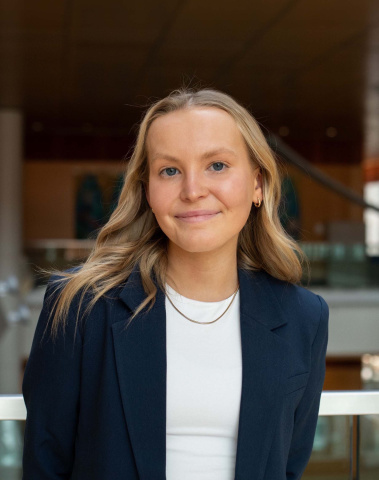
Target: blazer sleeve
x: 306, y: 413
x: 51, y: 392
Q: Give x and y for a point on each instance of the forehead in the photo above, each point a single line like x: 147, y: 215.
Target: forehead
x: 197, y: 128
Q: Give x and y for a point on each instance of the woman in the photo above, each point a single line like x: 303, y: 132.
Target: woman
x: 183, y: 348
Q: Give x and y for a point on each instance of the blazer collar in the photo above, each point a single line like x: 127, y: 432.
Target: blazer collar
x: 258, y: 300
x: 141, y: 359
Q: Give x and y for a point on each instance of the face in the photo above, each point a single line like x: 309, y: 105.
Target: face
x: 201, y: 180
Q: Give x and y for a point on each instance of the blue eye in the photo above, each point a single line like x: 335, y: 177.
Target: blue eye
x: 218, y: 166
x: 169, y: 172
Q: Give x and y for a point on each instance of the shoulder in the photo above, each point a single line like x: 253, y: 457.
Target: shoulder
x: 81, y: 308
x: 57, y: 281
x: 303, y: 308
x: 297, y: 295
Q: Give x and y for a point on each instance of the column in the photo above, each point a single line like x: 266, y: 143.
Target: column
x: 11, y: 140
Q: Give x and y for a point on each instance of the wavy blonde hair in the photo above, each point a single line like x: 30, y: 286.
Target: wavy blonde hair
x: 132, y: 235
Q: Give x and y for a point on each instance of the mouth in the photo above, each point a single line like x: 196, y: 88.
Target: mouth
x: 197, y: 216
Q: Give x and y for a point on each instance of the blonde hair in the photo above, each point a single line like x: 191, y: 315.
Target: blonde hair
x: 132, y: 236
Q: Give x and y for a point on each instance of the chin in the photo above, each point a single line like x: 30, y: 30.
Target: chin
x: 194, y: 250
x: 199, y: 245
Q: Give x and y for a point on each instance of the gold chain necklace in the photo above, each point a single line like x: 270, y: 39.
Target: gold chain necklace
x: 204, y: 323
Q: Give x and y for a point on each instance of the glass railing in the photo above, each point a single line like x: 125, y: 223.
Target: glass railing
x: 12, y: 424
x: 338, y: 265
x: 346, y: 444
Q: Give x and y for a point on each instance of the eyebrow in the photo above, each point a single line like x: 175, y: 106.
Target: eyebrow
x: 209, y: 154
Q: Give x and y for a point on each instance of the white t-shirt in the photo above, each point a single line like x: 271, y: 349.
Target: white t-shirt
x: 204, y: 380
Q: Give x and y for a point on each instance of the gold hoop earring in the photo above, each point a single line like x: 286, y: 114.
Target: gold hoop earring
x: 258, y: 204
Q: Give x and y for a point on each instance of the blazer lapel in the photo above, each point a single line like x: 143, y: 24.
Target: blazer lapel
x: 140, y: 351
x: 265, y: 364
x: 141, y: 367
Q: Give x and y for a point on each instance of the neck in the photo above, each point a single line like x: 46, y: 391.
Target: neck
x: 207, y: 277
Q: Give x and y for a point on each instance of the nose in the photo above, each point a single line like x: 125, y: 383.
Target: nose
x: 194, y: 186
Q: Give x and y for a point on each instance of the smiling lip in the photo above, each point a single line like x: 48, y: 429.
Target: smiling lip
x: 197, y: 215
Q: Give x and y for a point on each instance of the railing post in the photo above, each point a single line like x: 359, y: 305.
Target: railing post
x: 351, y: 440
x: 357, y: 451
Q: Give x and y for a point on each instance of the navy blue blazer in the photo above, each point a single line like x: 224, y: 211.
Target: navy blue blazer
x: 96, y: 401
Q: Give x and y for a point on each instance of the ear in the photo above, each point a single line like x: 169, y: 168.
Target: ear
x: 258, y: 185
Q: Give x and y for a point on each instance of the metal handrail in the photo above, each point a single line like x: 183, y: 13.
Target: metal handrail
x: 12, y: 407
x: 350, y: 402
x: 294, y: 158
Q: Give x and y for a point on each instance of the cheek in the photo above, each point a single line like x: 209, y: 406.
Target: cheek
x: 238, y: 193
x: 159, y: 198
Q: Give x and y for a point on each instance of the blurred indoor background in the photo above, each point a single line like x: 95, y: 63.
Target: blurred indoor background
x: 75, y: 79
